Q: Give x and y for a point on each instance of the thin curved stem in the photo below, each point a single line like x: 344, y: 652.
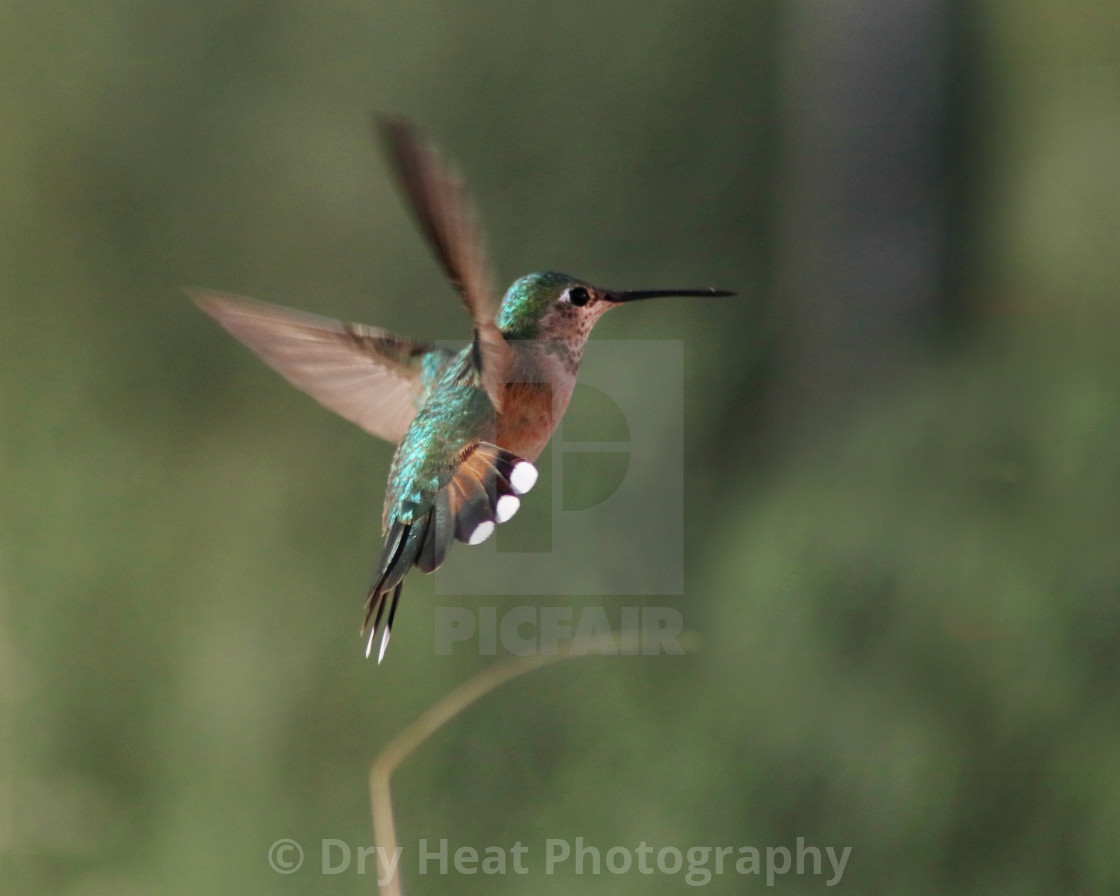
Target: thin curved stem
x: 442, y: 711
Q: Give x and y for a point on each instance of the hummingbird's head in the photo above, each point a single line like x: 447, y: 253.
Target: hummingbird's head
x: 549, y: 305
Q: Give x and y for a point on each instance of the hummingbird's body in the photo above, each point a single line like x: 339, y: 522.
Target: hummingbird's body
x: 468, y: 425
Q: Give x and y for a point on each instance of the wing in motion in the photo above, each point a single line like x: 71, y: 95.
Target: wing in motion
x: 369, y: 376
x: 447, y: 217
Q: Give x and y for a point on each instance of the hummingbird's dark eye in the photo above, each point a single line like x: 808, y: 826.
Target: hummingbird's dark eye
x: 579, y: 296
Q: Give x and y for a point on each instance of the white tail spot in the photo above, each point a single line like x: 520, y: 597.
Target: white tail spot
x: 523, y: 477
x: 508, y: 505
x: 481, y: 533
x: 384, y: 645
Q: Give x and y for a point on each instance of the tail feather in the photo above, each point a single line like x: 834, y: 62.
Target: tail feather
x: 470, y: 504
x: 391, y: 568
x: 427, y: 559
x: 484, y: 490
x: 485, y: 476
x: 388, y: 625
x: 440, y: 532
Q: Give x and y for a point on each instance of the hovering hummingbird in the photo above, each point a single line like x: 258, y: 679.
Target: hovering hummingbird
x: 467, y: 425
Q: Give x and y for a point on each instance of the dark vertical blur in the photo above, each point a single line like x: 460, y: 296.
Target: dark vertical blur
x: 864, y: 203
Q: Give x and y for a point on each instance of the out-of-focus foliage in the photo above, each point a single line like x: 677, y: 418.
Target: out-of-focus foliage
x: 934, y: 597
x: 910, y: 619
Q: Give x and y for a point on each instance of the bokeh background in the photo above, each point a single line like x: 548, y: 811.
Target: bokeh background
x: 902, y: 494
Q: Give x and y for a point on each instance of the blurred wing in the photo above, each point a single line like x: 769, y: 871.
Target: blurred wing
x: 368, y: 376
x: 447, y: 217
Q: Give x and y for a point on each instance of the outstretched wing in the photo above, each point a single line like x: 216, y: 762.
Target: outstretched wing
x: 446, y: 215
x: 368, y: 376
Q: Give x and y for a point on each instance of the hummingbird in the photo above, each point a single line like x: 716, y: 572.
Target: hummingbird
x: 468, y: 425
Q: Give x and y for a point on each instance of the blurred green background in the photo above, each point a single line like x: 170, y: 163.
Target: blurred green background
x: 902, y: 494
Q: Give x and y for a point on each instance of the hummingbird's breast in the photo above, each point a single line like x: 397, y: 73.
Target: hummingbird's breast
x: 534, y: 400
x: 530, y: 416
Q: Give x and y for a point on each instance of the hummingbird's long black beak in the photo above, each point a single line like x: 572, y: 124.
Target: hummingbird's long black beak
x: 633, y: 295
